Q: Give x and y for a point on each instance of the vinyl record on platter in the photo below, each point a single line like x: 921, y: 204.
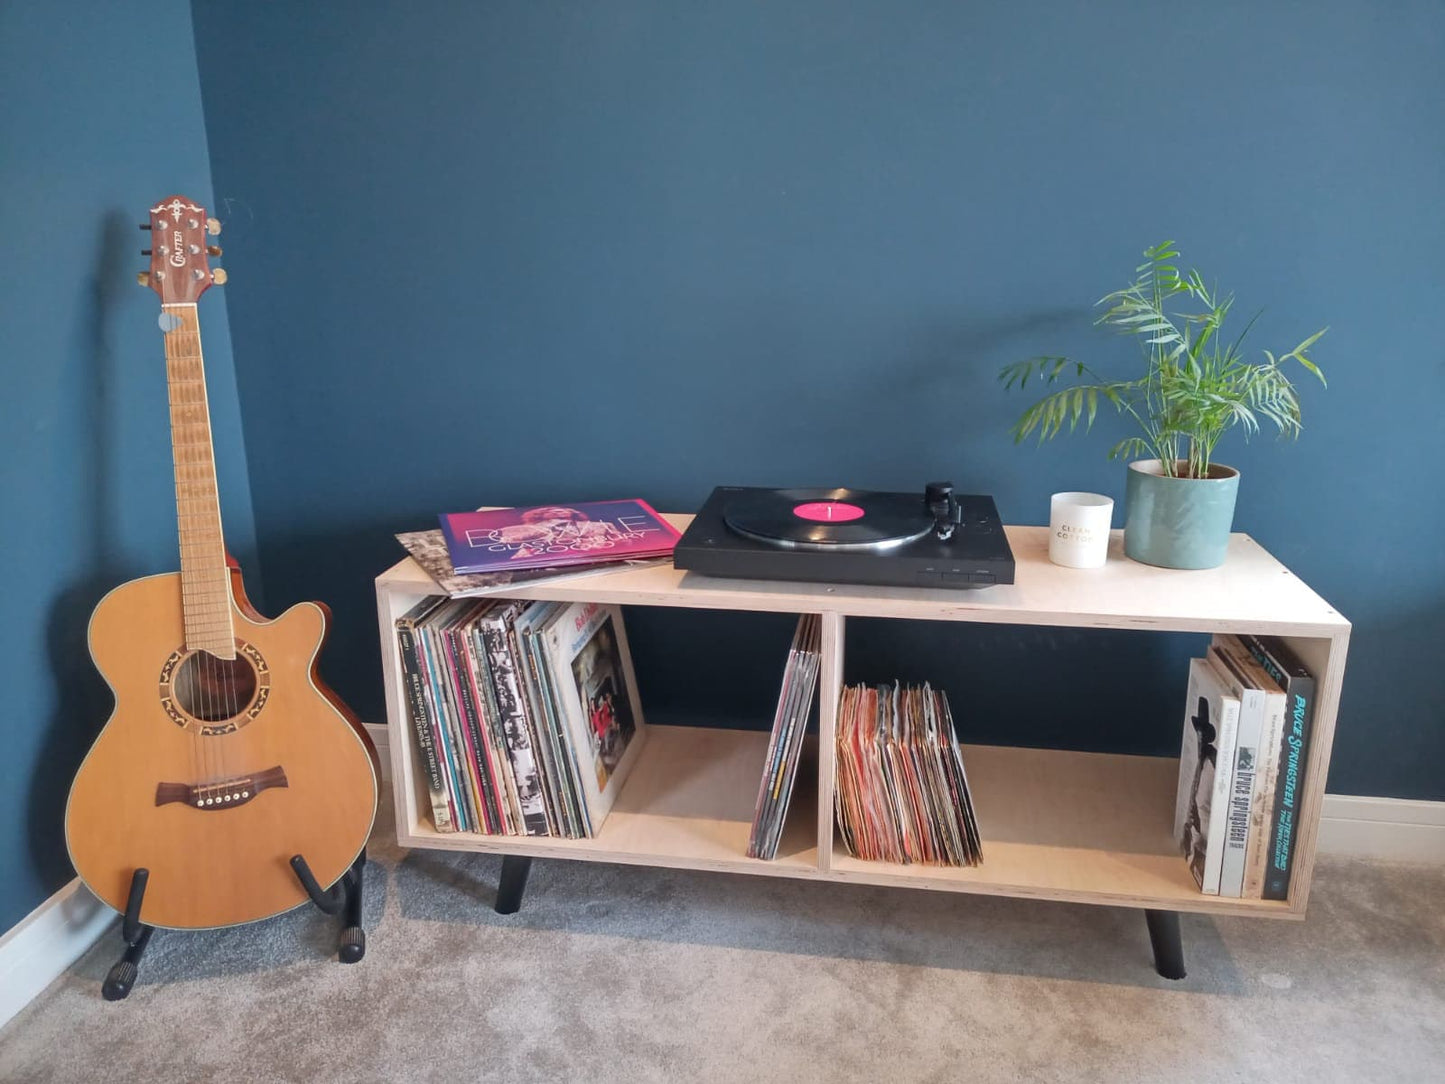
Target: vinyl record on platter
x: 829, y: 519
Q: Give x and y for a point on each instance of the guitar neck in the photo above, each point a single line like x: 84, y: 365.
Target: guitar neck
x: 205, y: 578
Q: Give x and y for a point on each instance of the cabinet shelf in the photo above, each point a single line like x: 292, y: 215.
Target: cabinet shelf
x: 1055, y: 824
x: 688, y: 803
x: 1062, y: 825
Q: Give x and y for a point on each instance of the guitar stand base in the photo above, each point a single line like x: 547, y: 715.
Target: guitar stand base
x: 122, y: 975
x: 344, y: 897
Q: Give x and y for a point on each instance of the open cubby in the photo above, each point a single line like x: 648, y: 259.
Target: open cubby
x: 1056, y: 824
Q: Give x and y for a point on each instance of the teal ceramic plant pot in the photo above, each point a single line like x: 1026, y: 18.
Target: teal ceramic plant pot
x: 1178, y: 522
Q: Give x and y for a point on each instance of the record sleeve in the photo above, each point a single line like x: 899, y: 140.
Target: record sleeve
x: 591, y: 665
x: 429, y: 550
x: 555, y: 536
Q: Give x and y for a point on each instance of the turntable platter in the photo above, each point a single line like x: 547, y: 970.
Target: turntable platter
x: 828, y: 519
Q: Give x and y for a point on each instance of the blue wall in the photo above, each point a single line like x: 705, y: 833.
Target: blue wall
x: 516, y: 252
x: 102, y: 117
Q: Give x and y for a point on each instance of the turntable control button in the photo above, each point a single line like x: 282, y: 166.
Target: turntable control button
x: 928, y: 577
x: 982, y: 577
x: 955, y: 577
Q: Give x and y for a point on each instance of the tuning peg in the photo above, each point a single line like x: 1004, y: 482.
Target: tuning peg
x: 213, y: 226
x: 219, y: 276
x: 214, y: 250
x: 143, y: 277
x: 145, y: 252
x: 145, y: 225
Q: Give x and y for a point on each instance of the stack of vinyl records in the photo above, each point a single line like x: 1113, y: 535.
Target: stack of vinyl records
x: 902, y: 795
x: 780, y: 770
x: 525, y: 714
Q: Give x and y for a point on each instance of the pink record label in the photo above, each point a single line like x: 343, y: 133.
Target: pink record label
x: 828, y: 511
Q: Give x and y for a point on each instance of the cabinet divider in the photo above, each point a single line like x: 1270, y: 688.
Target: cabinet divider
x: 830, y: 690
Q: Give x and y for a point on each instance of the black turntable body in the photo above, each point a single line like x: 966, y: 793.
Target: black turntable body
x: 931, y: 538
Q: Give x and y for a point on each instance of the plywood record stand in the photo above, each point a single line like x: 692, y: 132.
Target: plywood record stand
x: 1055, y: 824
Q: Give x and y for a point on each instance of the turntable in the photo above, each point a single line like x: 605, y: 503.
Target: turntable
x: 931, y: 539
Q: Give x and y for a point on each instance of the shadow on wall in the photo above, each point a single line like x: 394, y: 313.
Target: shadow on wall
x: 956, y: 354
x: 338, y: 567
x: 82, y: 698
x: 1397, y: 650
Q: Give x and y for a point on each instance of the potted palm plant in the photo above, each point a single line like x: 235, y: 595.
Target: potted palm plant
x: 1196, y: 386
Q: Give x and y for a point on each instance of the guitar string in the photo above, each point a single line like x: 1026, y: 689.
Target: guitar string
x: 232, y: 668
x: 185, y: 683
x: 200, y: 661
x: 219, y: 690
x: 221, y: 668
x: 205, y: 668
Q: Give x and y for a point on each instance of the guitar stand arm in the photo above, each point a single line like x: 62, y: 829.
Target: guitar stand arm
x: 131, y: 925
x: 344, y: 895
x: 330, y: 900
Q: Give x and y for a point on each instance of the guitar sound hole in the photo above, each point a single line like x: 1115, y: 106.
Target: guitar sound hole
x: 214, y: 690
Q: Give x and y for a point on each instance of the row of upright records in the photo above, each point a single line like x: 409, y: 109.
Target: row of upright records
x: 527, y: 721
x: 525, y: 714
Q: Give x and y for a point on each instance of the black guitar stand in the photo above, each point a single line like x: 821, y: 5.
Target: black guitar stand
x: 344, y: 895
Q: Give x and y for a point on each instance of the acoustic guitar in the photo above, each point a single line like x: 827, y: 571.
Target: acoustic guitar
x: 226, y: 755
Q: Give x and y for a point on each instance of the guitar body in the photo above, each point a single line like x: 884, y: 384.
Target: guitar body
x: 213, y: 773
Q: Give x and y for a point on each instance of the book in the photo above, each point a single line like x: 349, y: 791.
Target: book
x: 1245, y: 766
x: 591, y: 667
x: 1299, y: 687
x: 785, y: 745
x: 555, y: 536
x: 429, y: 550
x: 1211, y: 724
x: 1267, y: 763
x: 419, y: 710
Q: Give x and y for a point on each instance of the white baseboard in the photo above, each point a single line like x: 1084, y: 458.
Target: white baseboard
x: 1391, y: 829
x: 47, y: 941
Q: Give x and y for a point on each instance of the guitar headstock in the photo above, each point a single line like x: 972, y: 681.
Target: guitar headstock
x: 180, y: 269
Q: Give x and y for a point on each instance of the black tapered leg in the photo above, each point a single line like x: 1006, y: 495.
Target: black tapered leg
x: 122, y: 976
x: 513, y: 883
x: 353, y: 937
x: 1168, y: 945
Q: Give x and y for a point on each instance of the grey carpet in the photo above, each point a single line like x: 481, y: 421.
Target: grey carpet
x: 614, y: 973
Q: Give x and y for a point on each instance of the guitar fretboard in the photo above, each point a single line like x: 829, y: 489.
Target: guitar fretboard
x: 205, y: 579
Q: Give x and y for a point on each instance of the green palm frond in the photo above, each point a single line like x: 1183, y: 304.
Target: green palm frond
x: 1194, y: 388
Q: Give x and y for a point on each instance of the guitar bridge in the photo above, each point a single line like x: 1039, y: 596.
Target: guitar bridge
x: 226, y: 794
